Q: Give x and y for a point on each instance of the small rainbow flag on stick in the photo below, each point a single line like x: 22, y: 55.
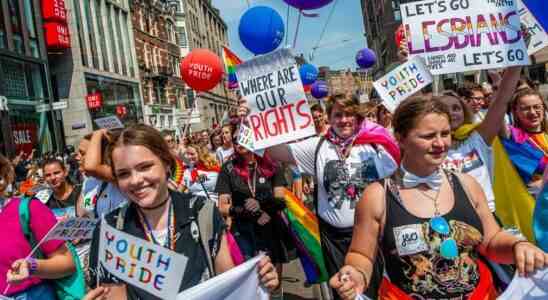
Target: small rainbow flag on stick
x: 304, y: 228
x: 231, y: 61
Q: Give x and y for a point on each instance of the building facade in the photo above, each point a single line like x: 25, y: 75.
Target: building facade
x: 26, y: 119
x: 199, y: 25
x: 347, y: 82
x: 98, y: 76
x: 158, y: 56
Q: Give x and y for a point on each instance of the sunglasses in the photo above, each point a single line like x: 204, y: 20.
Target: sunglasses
x: 448, y: 247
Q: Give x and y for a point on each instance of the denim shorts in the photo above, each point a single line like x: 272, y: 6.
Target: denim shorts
x: 42, y: 291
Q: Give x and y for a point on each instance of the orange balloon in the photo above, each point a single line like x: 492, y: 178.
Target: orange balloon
x: 202, y: 70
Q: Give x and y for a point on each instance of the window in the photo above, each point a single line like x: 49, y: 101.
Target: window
x: 100, y: 33
x: 121, y: 48
x: 183, y: 43
x: 113, y: 38
x: 31, y: 29
x: 131, y: 66
x: 2, y: 31
x: 81, y: 38
x: 91, y: 35
x: 15, y: 20
x: 22, y: 80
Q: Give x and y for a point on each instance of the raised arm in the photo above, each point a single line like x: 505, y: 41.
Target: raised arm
x: 493, y: 123
x: 93, y: 164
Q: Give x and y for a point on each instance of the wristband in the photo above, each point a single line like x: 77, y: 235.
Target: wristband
x: 33, y: 265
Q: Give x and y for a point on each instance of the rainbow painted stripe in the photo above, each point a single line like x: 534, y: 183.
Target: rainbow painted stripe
x: 304, y: 228
x: 231, y: 61
x: 178, y: 172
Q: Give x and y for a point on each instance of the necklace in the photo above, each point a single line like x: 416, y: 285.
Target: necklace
x: 147, y: 228
x: 252, y: 184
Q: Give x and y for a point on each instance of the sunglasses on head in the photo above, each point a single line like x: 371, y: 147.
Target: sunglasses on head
x: 448, y: 247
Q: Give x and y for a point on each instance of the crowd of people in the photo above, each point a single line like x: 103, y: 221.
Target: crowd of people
x: 406, y: 202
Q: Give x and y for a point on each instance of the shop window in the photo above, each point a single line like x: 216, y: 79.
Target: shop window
x: 2, y: 30
x: 31, y: 28
x: 113, y: 38
x: 15, y: 20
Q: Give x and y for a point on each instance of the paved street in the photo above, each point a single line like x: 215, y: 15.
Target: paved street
x: 293, y: 283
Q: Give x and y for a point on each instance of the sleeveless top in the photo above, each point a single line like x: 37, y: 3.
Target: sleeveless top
x: 411, y: 249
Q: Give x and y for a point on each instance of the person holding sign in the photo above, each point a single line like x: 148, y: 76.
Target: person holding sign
x: 64, y: 194
x: 353, y: 154
x: 21, y: 275
x: 471, y: 152
x: 251, y: 193
x: 431, y: 225
x: 141, y: 162
x: 201, y: 171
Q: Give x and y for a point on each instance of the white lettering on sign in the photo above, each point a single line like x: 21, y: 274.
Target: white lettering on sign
x: 22, y: 137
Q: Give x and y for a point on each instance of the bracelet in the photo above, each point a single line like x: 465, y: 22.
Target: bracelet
x: 514, y: 245
x: 33, y: 265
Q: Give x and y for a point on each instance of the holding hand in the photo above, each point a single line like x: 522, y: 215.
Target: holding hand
x: 252, y: 205
x: 263, y: 219
x: 19, y: 272
x: 529, y: 258
x: 268, y: 275
x: 348, y: 282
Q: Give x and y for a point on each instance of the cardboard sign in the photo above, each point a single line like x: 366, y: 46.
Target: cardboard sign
x: 539, y: 10
x: 241, y: 282
x: 464, y: 35
x: 71, y: 229
x: 538, y: 37
x: 272, y: 87
x: 143, y: 264
x: 402, y: 82
x: 245, y: 139
x: 111, y: 122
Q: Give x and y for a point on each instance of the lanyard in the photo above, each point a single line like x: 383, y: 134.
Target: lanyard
x: 252, y: 184
x: 170, y: 242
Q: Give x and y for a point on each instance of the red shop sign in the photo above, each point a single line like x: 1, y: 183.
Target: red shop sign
x: 57, y: 35
x: 54, y: 10
x: 121, y: 110
x: 25, y: 136
x: 94, y: 100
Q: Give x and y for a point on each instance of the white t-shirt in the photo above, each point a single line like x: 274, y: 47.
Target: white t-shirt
x: 340, y: 184
x: 223, y: 155
x: 112, y: 197
x: 196, y: 188
x: 475, y: 158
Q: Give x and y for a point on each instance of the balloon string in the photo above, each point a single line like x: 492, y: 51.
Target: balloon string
x: 287, y: 25
x: 297, y: 29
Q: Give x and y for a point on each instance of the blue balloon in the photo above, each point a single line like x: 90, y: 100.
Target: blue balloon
x: 366, y: 58
x: 319, y: 89
x: 261, y: 29
x: 309, y: 74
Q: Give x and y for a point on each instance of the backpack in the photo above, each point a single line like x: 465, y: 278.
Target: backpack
x: 203, y: 210
x: 72, y: 287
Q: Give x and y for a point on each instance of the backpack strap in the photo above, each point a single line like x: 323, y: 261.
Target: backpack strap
x: 205, y: 210
x: 24, y: 221
x: 315, y: 175
x: 102, y: 189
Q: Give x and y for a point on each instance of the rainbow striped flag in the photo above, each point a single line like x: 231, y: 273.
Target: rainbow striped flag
x: 304, y: 228
x: 231, y: 61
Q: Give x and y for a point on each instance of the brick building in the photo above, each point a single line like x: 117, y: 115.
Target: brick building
x: 158, y: 57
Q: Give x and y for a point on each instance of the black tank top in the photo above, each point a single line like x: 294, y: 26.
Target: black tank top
x: 411, y: 249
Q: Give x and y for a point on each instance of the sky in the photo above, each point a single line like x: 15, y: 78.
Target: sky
x: 343, y: 37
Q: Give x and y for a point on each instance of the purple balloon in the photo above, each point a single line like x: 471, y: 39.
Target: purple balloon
x: 307, y: 4
x: 366, y: 58
x: 319, y: 89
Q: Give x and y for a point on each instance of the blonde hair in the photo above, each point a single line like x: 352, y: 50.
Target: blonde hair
x: 204, y: 156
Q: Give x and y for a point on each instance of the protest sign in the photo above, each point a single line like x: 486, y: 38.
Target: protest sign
x: 245, y: 139
x: 402, y: 82
x: 111, y: 122
x: 145, y: 265
x: 63, y: 213
x: 241, y: 282
x: 272, y: 86
x: 539, y: 10
x: 464, y: 35
x: 531, y: 287
x: 71, y: 229
x: 538, y: 38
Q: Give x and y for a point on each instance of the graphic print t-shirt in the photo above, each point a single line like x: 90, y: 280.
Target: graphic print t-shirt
x: 341, y: 183
x: 474, y: 157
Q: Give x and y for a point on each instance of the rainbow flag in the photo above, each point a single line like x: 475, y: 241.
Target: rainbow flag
x: 177, y: 173
x: 231, y: 61
x: 304, y: 228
